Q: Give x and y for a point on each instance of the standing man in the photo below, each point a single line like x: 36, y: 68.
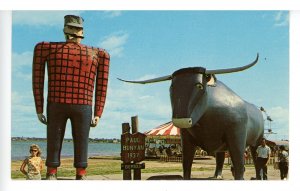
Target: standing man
x: 72, y: 69
x: 263, y: 157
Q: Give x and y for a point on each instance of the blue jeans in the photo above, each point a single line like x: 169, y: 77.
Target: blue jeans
x: 57, y: 116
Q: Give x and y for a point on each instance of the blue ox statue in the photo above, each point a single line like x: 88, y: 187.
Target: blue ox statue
x: 213, y: 117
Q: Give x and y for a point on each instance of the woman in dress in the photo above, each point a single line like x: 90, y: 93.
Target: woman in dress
x: 34, y: 164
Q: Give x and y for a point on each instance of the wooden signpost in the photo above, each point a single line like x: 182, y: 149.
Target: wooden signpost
x: 132, y: 150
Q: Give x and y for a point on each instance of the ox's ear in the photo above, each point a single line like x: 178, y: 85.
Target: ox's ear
x: 211, y: 80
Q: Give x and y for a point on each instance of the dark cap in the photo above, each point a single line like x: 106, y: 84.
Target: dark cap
x: 74, y: 21
x: 282, y: 147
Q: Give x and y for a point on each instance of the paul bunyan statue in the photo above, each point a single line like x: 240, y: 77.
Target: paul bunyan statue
x: 72, y: 69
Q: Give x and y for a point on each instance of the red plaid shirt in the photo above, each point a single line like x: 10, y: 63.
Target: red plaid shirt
x: 72, y: 69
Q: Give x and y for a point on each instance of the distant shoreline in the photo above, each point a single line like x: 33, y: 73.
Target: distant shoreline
x: 19, y: 148
x: 96, y: 140
x: 106, y: 157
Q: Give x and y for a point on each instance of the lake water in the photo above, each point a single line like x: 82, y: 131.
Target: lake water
x: 20, y: 149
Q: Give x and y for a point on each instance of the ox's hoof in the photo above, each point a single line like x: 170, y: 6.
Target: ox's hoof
x: 219, y: 177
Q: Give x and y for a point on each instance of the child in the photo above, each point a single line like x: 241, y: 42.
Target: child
x: 34, y: 164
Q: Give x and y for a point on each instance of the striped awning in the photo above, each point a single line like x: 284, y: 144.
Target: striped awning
x: 167, y: 129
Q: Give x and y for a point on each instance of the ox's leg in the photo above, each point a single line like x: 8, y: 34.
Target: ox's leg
x: 238, y: 164
x: 237, y: 144
x: 220, y: 157
x: 188, y: 152
x: 253, y: 154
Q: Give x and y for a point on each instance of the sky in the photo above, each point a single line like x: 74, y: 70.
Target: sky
x: 149, y: 44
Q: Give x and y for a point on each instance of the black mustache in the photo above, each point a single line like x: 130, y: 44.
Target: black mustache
x: 74, y: 35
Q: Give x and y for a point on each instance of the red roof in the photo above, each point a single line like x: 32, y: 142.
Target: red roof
x: 167, y: 129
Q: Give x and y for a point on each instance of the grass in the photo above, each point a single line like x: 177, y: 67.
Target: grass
x: 96, y: 167
x: 105, y: 166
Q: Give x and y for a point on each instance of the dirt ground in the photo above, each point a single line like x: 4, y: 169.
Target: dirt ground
x: 201, y: 170
x: 205, y: 172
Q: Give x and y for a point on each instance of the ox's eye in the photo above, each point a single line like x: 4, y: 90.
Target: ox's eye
x: 199, y: 85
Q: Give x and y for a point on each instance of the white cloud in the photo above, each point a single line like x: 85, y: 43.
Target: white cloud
x: 145, y: 97
x: 24, y: 76
x: 23, y: 108
x: 132, y: 97
x: 24, y: 120
x: 21, y: 65
x: 280, y: 123
x: 114, y: 43
x: 41, y: 18
x: 279, y: 114
x: 22, y: 59
x: 127, y: 100
x: 15, y: 98
x: 281, y: 19
x: 112, y: 14
x: 22, y: 101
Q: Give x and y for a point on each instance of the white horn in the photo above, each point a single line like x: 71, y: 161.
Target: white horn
x: 231, y: 70
x: 160, y: 79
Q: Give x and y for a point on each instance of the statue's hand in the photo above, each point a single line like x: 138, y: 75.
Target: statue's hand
x: 95, y: 121
x: 42, y: 118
